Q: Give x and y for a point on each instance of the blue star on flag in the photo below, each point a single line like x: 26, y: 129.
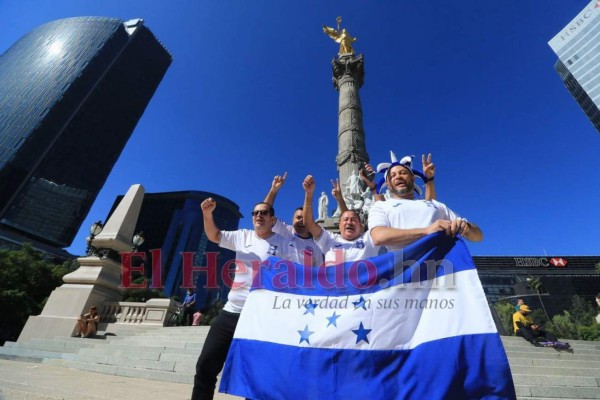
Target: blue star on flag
x: 360, y: 303
x: 332, y: 320
x: 310, y: 307
x: 361, y: 333
x: 305, y: 334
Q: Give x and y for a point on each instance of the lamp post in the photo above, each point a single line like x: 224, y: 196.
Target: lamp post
x: 95, y: 230
x: 137, y: 241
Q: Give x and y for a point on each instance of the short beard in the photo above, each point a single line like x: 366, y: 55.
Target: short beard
x: 408, y: 190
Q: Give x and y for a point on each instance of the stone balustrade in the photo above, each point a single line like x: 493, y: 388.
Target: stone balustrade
x: 153, y: 312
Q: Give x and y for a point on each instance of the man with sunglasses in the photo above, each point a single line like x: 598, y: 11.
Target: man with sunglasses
x: 251, y: 247
x: 307, y: 252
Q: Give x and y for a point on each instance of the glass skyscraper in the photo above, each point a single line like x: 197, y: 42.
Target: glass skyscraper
x: 71, y: 93
x: 578, y: 49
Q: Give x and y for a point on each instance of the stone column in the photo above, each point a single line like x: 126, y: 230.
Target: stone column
x: 348, y: 77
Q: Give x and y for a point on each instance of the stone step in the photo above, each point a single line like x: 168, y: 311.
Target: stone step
x: 184, y: 358
x: 532, y: 349
x: 552, y: 363
x: 155, y: 375
x: 557, y: 392
x: 572, y: 381
x: 581, y: 344
x: 157, y: 339
x: 180, y: 330
x: 49, y: 345
x: 529, y: 347
x: 9, y: 353
x: 182, y: 344
x: 553, y: 355
x: 554, y: 371
x: 133, y: 353
x: 169, y: 338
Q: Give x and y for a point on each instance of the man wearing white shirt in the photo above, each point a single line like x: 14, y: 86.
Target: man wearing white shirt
x: 307, y: 252
x: 402, y: 220
x: 252, y: 247
x: 351, y: 244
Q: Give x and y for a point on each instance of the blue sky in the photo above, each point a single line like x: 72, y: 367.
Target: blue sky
x: 249, y: 95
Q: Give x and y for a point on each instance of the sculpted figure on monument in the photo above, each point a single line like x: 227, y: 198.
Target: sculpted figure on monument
x: 323, y: 203
x: 340, y: 36
x: 352, y: 184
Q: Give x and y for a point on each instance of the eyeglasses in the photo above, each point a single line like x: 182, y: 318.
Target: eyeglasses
x: 260, y: 212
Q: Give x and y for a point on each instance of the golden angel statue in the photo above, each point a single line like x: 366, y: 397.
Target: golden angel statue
x: 342, y: 37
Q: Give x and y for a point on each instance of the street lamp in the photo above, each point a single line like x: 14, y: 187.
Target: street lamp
x: 137, y: 241
x: 95, y: 230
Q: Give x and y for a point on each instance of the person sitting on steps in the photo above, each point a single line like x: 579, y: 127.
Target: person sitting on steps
x: 87, y: 324
x: 530, y: 331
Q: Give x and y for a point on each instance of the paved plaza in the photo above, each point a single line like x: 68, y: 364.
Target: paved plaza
x: 34, y: 381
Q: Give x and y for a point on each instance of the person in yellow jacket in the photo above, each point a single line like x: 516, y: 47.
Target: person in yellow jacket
x: 525, y: 327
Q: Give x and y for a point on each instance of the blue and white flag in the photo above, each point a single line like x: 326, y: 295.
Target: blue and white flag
x: 406, y: 325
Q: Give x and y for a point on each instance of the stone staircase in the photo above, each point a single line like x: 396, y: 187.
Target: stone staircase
x: 546, y: 373
x: 156, y: 353
x: 170, y: 354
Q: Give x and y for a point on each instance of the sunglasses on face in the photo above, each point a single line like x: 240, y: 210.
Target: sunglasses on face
x: 260, y: 212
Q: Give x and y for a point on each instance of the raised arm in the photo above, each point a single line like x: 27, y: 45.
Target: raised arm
x: 307, y: 214
x: 337, y: 193
x: 212, y: 232
x: 429, y: 171
x: 367, y: 178
x: 277, y: 183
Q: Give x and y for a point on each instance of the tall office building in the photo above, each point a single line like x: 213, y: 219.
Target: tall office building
x: 578, y: 49
x: 172, y: 223
x: 71, y: 93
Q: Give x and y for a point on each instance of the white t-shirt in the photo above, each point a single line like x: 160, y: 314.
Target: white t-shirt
x: 408, y: 214
x: 251, y: 251
x: 303, y: 247
x: 333, y: 244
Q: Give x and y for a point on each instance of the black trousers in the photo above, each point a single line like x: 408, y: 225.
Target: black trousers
x: 188, y: 316
x: 529, y: 334
x: 213, y: 355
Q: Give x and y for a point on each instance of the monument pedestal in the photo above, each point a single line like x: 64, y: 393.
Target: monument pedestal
x: 96, y: 282
x: 331, y: 224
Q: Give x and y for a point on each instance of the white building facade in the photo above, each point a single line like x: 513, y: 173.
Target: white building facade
x: 578, y: 49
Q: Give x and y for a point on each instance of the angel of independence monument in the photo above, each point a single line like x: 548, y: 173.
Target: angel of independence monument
x: 348, y: 78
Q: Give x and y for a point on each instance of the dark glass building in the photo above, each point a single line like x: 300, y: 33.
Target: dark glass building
x: 71, y: 93
x: 173, y: 223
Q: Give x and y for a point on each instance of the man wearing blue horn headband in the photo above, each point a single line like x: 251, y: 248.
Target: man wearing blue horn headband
x: 402, y: 219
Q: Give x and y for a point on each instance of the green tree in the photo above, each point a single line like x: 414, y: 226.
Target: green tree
x: 563, y: 326
x: 591, y: 332
x: 582, y: 311
x: 26, y: 281
x: 212, y: 312
x: 505, y: 312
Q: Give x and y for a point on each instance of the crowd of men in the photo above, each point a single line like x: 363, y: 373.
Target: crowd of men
x: 393, y: 224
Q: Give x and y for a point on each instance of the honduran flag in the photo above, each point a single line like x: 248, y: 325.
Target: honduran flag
x: 405, y: 325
